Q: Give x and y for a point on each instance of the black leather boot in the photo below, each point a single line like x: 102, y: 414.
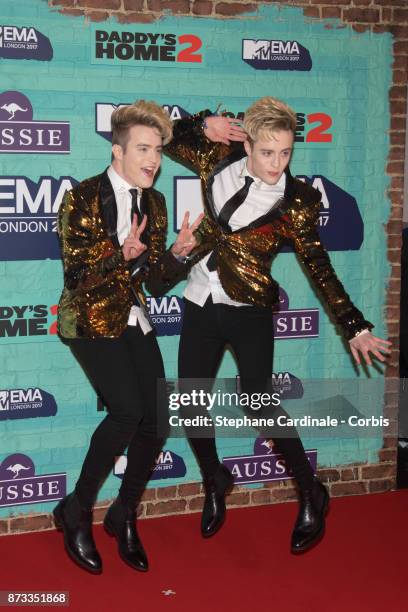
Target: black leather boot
x: 76, y: 523
x: 310, y: 523
x: 214, y: 504
x: 120, y: 522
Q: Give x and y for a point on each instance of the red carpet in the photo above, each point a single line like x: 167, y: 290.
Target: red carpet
x: 361, y: 565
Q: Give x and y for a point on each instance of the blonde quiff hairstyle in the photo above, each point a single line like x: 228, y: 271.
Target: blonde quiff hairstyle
x: 141, y: 112
x: 267, y: 115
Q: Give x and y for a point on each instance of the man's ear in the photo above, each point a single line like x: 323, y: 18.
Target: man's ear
x: 117, y: 151
x: 248, y: 148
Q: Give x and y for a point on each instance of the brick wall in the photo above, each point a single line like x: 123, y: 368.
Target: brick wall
x: 188, y: 498
x: 377, y: 16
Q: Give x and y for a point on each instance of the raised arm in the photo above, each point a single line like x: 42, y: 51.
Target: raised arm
x: 202, y: 140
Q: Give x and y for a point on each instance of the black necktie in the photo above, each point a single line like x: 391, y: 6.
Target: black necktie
x: 135, y: 208
x: 141, y: 260
x: 226, y: 213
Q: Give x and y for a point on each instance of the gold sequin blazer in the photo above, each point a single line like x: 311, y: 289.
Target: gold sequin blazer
x: 244, y: 256
x: 98, y: 287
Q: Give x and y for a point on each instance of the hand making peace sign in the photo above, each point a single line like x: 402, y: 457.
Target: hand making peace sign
x: 186, y: 241
x: 132, y: 246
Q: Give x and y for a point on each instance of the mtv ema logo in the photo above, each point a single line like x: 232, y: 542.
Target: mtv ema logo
x: 167, y: 314
x: 264, y: 465
x: 26, y: 403
x: 28, y: 216
x: 275, y: 55
x: 284, y: 383
x: 24, y: 43
x: 168, y: 465
x: 19, y: 485
x: 341, y: 226
x: 20, y: 134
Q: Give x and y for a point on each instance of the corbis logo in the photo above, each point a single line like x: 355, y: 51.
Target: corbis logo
x: 103, y: 112
x: 19, y: 133
x: 24, y: 43
x: 264, y: 465
x: 26, y: 403
x: 19, y: 485
x: 30, y: 322
x: 28, y: 212
x: 275, y: 55
x: 148, y: 48
x: 167, y: 465
x: 294, y: 323
x: 167, y: 314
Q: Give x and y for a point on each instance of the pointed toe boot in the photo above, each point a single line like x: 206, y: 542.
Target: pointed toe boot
x: 76, y: 524
x: 310, y: 523
x: 120, y: 522
x: 216, y: 488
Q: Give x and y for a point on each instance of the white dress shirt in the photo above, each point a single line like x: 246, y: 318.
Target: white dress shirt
x: 124, y: 206
x: 261, y: 198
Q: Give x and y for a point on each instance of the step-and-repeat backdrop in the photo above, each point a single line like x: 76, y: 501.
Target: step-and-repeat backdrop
x: 61, y: 78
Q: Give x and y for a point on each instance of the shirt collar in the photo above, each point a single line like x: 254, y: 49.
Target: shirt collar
x: 259, y: 183
x: 119, y: 184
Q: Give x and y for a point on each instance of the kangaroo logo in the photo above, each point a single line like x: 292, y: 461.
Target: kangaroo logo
x: 12, y: 109
x: 269, y: 446
x: 16, y: 469
x: 24, y: 487
x: 15, y: 106
x: 24, y: 134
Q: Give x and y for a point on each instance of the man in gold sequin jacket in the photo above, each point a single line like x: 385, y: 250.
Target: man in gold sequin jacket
x: 112, y: 229
x: 252, y: 203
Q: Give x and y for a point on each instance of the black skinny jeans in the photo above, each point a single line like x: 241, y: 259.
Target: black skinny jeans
x: 124, y: 373
x: 248, y: 330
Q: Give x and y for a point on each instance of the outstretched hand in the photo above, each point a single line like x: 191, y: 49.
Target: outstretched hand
x: 132, y: 246
x: 224, y: 129
x: 365, y: 344
x: 186, y: 240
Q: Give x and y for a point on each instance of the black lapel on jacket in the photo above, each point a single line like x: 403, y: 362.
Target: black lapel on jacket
x: 236, y: 155
x: 109, y: 209
x: 145, y: 206
x: 277, y: 210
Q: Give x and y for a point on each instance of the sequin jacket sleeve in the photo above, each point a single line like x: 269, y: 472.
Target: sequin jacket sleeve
x: 89, y: 257
x: 164, y: 271
x: 191, y: 147
x: 317, y: 262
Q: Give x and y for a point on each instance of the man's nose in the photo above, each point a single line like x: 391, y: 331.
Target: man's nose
x: 154, y: 157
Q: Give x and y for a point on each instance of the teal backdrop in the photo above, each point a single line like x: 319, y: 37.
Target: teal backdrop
x: 348, y: 82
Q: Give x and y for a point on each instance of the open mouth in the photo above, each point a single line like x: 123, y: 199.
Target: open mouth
x: 149, y: 172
